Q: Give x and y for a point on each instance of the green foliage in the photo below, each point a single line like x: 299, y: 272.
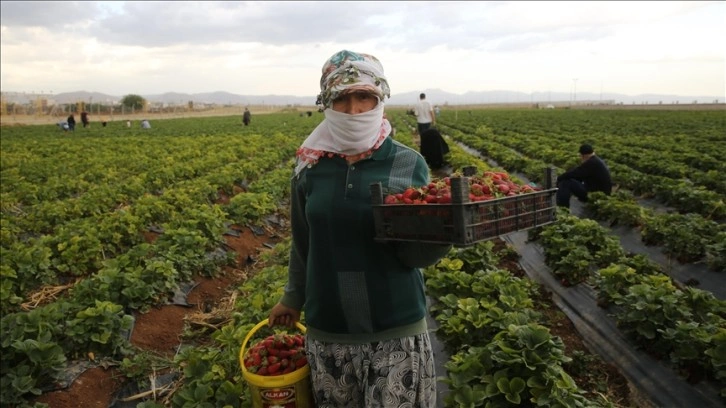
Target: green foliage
x: 717, y: 353
x: 101, y: 329
x: 250, y: 207
x: 522, y: 364
x: 479, y: 256
x: 716, y: 252
x: 575, y: 248
x: 685, y: 237
x: 620, y: 208
x: 133, y: 101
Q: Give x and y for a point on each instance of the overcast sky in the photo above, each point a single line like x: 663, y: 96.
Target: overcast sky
x: 262, y: 48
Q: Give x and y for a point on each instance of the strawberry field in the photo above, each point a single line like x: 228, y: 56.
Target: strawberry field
x: 77, y: 265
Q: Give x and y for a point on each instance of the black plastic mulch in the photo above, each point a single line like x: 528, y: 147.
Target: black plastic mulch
x: 654, y: 381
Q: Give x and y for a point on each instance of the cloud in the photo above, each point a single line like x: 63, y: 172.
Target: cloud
x: 165, y: 24
x: 279, y: 47
x: 48, y: 14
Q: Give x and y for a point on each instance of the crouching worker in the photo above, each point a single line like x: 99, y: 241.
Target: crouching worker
x: 591, y: 175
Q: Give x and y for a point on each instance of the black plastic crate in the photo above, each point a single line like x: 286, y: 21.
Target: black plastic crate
x: 461, y: 223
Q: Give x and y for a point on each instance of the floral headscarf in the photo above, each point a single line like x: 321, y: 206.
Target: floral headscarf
x: 348, y: 71
x: 341, y: 134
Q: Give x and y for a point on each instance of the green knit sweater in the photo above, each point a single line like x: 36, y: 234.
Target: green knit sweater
x: 351, y: 288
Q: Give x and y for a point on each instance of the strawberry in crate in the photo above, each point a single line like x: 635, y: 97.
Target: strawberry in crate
x: 488, y: 186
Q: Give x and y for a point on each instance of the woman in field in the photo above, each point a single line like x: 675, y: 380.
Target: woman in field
x: 363, y: 301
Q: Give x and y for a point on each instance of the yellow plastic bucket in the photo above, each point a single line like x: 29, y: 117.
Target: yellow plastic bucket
x: 290, y: 390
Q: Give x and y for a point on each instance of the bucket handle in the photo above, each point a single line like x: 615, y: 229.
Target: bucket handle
x: 253, y: 331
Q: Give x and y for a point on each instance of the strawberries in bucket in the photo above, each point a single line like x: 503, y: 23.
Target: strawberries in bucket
x: 276, y: 354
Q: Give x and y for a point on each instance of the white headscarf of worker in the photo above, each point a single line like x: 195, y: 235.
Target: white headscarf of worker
x: 340, y: 133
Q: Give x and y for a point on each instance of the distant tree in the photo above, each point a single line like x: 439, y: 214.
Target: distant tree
x: 135, y: 102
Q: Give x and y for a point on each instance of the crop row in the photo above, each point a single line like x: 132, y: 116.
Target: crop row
x: 678, y: 174
x: 697, y: 237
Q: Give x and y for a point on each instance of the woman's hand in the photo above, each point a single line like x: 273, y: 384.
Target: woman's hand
x: 282, y: 315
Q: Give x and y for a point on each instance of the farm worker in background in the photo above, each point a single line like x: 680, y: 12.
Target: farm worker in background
x: 437, y: 111
x: 364, y: 302
x: 591, y: 175
x: 145, y: 124
x: 63, y: 125
x: 71, y: 122
x: 433, y: 148
x: 84, y: 118
x: 128, y: 123
x: 246, y: 117
x: 425, y: 117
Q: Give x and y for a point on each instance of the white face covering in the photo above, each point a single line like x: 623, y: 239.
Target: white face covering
x: 344, y: 134
x: 353, y: 134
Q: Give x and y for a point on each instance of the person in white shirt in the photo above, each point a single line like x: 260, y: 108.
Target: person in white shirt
x: 425, y: 117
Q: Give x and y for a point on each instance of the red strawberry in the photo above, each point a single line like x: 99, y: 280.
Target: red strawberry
x: 273, y: 369
x: 301, y: 362
x: 411, y: 193
x: 299, y: 339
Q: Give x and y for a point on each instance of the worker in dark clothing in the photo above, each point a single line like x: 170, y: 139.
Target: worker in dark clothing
x: 433, y: 148
x: 71, y: 122
x: 591, y: 175
x: 246, y: 117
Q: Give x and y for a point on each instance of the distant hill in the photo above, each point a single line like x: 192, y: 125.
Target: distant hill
x: 435, y: 96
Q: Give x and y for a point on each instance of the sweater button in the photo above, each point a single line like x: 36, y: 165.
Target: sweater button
x: 350, y: 186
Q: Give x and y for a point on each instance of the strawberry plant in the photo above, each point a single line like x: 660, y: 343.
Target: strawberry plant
x: 250, y: 207
x: 575, y: 248
x: 100, y: 329
x: 618, y: 209
x: 522, y: 364
x: 685, y: 237
x: 716, y: 252
x: 478, y: 257
x: 647, y: 307
x: 717, y: 355
x: 613, y: 281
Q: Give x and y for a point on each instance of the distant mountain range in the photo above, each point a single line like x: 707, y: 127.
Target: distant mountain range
x: 435, y: 96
